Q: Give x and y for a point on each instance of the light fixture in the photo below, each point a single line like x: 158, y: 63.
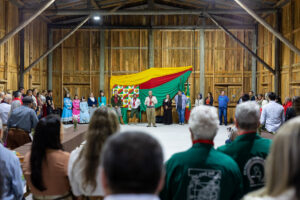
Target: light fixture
x: 96, y: 18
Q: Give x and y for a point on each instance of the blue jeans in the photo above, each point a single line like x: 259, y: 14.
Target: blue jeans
x: 223, y: 112
x: 181, y: 114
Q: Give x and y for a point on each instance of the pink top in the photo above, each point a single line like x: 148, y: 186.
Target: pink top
x: 76, y: 107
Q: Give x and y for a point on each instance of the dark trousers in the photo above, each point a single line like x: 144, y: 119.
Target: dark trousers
x: 223, y: 112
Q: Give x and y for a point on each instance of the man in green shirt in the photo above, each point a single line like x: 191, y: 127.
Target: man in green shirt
x: 201, y: 172
x: 249, y: 150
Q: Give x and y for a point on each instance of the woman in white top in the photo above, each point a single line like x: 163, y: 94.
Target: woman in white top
x: 266, y: 100
x: 84, y: 163
x: 199, y: 100
x: 282, y: 166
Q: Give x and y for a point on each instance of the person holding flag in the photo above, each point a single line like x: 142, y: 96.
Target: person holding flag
x: 188, y: 104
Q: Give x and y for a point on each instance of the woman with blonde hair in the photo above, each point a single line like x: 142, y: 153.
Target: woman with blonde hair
x: 84, y: 163
x: 282, y: 166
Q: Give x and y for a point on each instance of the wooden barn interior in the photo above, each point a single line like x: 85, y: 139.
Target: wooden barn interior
x: 232, y: 45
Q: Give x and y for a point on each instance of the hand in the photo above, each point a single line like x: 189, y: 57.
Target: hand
x: 116, y: 107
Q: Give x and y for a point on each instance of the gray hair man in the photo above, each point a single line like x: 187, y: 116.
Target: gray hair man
x: 150, y: 103
x: 132, y: 167
x: 5, y: 108
x: 201, y: 172
x: 248, y: 149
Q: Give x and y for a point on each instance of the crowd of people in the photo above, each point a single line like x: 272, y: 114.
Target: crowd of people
x: 129, y: 165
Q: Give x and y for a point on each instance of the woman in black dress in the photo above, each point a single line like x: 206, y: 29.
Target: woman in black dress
x: 167, y: 110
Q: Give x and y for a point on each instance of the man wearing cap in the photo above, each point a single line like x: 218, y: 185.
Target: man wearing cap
x: 22, y: 120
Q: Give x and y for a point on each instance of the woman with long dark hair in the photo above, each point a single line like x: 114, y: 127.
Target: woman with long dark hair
x: 84, y: 164
x: 167, y: 105
x: 45, y: 167
x: 209, y: 100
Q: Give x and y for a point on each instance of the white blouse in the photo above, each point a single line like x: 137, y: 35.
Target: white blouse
x: 76, y: 179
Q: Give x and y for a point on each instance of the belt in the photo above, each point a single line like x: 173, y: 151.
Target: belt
x: 52, y: 197
x: 18, y: 129
x: 150, y: 106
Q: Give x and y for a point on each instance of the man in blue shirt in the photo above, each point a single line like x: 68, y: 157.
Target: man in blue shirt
x: 180, y: 100
x: 11, y: 185
x: 223, y: 103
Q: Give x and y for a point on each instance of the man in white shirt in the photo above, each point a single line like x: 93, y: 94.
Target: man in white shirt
x: 132, y: 167
x: 150, y: 102
x: 135, y: 104
x: 272, y: 114
x: 5, y: 108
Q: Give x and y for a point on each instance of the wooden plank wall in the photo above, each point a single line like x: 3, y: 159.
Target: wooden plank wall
x: 227, y: 65
x: 35, y: 44
x: 289, y: 61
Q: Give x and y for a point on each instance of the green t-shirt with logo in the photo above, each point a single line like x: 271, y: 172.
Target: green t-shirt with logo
x: 249, y: 151
x: 202, y: 173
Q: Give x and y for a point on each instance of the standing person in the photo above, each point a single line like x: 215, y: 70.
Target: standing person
x: 223, y: 103
x: 16, y: 102
x: 287, y: 104
x: 180, y: 102
x: 84, y: 111
x: 209, y: 100
x: 116, y: 103
x: 67, y: 110
x: 252, y: 96
x: 135, y: 105
x: 39, y: 109
x: 150, y: 102
x: 5, y: 108
x: 101, y: 99
x: 259, y: 100
x: 11, y: 184
x: 76, y: 108
x: 141, y: 176
x: 22, y: 91
x: 266, y: 100
x: 241, y: 98
x: 282, y: 166
x: 167, y: 105
x: 17, y: 97
x: 43, y: 97
x: 20, y: 123
x: 199, y: 100
x: 278, y: 100
x: 45, y: 167
x: 293, y: 111
x: 248, y: 149
x: 34, y: 95
x: 272, y: 115
x: 201, y: 172
x: 49, y: 102
x: 84, y: 172
x: 92, y: 103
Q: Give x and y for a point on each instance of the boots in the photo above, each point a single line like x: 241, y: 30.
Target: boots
x: 121, y: 120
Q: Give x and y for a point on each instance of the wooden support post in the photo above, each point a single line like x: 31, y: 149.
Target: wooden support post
x: 202, y: 64
x: 277, y: 54
x: 241, y: 43
x: 56, y: 45
x: 50, y: 59
x: 22, y: 56
x: 269, y: 27
x: 150, y: 48
x: 26, y: 22
x: 254, y: 62
x: 102, y: 59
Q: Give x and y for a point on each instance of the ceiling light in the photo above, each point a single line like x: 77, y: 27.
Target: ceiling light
x: 96, y: 18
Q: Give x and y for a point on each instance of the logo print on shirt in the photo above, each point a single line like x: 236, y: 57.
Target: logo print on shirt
x: 204, y: 184
x: 254, y: 170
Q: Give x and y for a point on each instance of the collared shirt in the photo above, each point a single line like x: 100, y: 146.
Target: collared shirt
x: 132, y: 197
x: 223, y: 101
x: 23, y: 118
x: 135, y: 103
x: 183, y: 101
x: 4, y: 110
x: 272, y: 116
x: 12, y: 184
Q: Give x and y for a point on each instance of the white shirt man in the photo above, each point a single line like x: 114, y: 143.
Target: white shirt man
x: 272, y: 114
x: 5, y: 109
x: 150, y: 102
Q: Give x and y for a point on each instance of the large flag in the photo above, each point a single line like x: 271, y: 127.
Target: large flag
x: 188, y: 105
x: 161, y: 81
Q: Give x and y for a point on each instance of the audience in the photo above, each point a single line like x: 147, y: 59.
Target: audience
x: 251, y: 96
x: 132, y: 167
x: 272, y: 114
x: 11, y: 185
x: 17, y: 102
x: 293, y: 111
x: 49, y: 103
x: 20, y: 123
x: 46, y: 166
x: 249, y: 150
x: 282, y: 166
x: 2, y: 94
x: 84, y: 163
x: 201, y: 172
x: 17, y: 97
x: 287, y: 104
x: 5, y: 108
x: 265, y: 101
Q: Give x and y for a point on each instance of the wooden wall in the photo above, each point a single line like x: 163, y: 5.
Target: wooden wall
x: 35, y: 44
x: 76, y: 62
x: 289, y: 61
